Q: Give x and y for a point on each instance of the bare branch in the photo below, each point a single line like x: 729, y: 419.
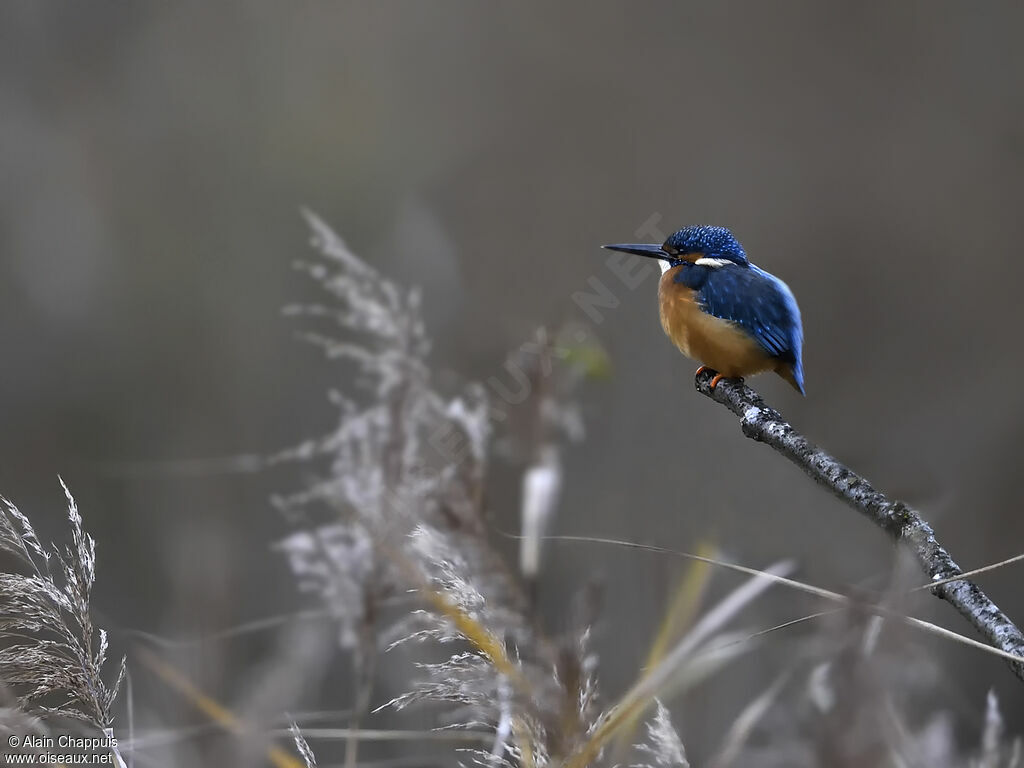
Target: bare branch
x: 903, y: 524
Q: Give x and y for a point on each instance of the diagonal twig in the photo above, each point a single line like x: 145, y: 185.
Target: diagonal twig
x: 903, y: 524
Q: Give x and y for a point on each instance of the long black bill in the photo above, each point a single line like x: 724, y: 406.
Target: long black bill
x: 640, y: 249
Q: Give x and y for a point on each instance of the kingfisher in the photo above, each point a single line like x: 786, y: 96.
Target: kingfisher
x: 721, y: 310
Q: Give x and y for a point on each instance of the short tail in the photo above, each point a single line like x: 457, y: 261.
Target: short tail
x: 794, y: 374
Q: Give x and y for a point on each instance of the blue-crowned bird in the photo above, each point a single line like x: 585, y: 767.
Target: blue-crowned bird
x: 723, y: 311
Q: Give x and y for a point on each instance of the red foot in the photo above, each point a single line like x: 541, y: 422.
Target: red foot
x: 701, y: 370
x: 714, y: 382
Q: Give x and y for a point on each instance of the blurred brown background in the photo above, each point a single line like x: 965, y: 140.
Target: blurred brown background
x: 153, y: 159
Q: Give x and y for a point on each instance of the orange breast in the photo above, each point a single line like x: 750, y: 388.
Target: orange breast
x: 717, y: 343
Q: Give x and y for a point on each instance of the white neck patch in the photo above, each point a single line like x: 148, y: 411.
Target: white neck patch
x: 713, y: 263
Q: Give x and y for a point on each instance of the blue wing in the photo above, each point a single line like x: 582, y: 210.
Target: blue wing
x: 756, y: 301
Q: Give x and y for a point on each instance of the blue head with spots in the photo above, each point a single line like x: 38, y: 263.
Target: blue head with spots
x: 692, y: 243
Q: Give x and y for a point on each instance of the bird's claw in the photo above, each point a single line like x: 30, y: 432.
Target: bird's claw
x: 715, y: 380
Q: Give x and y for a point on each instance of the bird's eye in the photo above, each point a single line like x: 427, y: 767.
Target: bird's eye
x: 671, y: 250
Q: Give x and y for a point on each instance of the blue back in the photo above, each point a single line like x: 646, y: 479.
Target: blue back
x: 756, y: 301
